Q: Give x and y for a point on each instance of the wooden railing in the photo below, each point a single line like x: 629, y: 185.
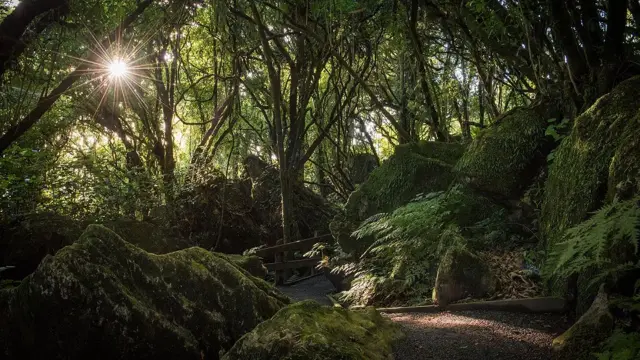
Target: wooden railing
x: 283, y: 263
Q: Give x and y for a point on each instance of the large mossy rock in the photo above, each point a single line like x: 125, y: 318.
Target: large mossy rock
x: 504, y: 158
x: 414, y: 169
x: 462, y: 274
x: 597, y: 162
x: 27, y: 239
x: 251, y: 263
x: 309, y: 331
x: 148, y: 236
x: 593, y: 327
x: 103, y: 298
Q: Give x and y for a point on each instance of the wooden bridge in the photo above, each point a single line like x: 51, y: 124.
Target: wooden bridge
x: 283, y: 257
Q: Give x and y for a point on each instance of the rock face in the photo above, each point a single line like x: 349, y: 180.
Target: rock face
x: 592, y: 328
x: 360, y: 166
x: 103, y: 298
x: 597, y: 162
x: 414, y: 169
x: 462, y: 274
x: 504, y: 158
x: 309, y: 331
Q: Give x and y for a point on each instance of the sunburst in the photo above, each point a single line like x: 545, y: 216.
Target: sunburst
x: 118, y: 68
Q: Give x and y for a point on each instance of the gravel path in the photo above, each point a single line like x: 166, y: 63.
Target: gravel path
x: 477, y: 335
x: 315, y: 288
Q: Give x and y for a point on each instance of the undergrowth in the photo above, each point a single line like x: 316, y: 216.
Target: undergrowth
x: 620, y: 346
x: 605, y: 245
x: 400, y: 265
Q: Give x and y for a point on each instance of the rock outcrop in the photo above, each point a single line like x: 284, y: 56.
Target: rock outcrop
x: 218, y: 214
x: 596, y: 163
x: 309, y: 331
x: 504, y: 158
x: 103, y: 298
x: 414, y: 169
x: 592, y: 328
x: 462, y: 274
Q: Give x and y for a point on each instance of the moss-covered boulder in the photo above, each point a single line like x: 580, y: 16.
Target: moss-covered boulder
x: 462, y: 274
x: 593, y: 327
x: 25, y: 240
x: 414, y: 169
x: 151, y: 237
x: 103, y: 298
x: 597, y: 162
x: 504, y: 158
x: 309, y: 331
x: 360, y: 166
x: 251, y: 263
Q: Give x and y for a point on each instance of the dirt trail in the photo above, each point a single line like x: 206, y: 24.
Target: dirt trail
x: 476, y: 335
x: 464, y: 335
x: 315, y: 288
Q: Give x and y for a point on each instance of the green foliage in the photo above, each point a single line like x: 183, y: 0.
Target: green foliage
x: 557, y: 131
x: 414, y: 169
x: 400, y: 265
x: 605, y: 245
x: 620, y: 346
x: 498, y: 158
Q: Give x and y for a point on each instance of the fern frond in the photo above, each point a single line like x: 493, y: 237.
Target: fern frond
x: 607, y: 243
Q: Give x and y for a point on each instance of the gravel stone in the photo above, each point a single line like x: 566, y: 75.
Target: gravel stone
x: 478, y: 335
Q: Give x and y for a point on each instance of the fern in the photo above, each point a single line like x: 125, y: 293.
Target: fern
x: 606, y: 244
x: 400, y: 265
x: 620, y: 346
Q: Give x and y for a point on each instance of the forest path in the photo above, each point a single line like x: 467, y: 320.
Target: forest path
x: 315, y: 288
x: 476, y: 335
x: 461, y: 335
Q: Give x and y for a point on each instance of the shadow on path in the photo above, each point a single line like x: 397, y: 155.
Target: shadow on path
x: 478, y: 335
x: 315, y: 288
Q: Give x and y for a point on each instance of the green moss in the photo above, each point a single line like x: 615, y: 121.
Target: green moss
x: 252, y: 264
x: 597, y: 161
x: 593, y: 327
x: 105, y: 298
x: 502, y: 158
x: 413, y: 169
x: 461, y: 274
x: 309, y: 331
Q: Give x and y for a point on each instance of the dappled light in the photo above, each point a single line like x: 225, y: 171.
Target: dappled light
x: 266, y: 179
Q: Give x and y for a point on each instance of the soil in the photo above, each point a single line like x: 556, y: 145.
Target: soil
x: 478, y: 335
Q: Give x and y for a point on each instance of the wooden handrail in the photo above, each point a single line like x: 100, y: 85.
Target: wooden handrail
x: 293, y: 264
x: 295, y: 245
